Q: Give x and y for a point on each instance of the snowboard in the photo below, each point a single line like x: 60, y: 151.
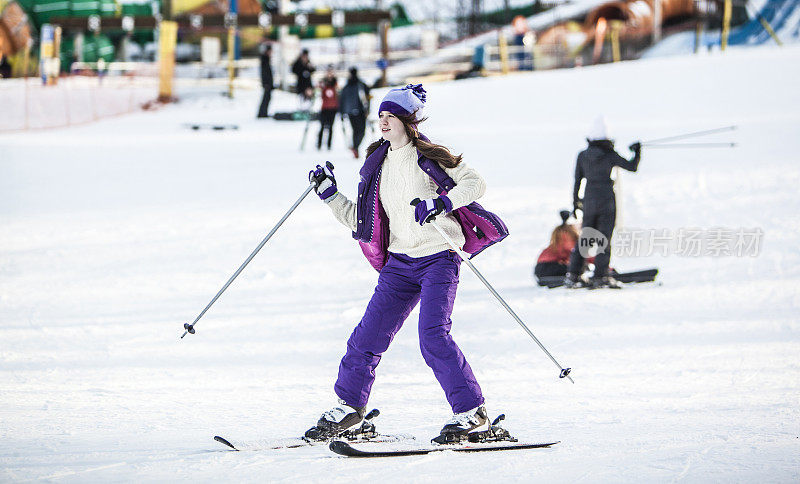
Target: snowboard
x: 215, y: 127
x: 646, y: 275
x: 295, y: 116
x: 350, y: 450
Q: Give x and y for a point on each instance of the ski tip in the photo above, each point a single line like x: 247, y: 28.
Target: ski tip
x: 339, y: 447
x: 224, y: 442
x: 343, y: 448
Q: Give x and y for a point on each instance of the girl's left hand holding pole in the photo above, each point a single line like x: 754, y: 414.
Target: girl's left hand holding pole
x: 427, y: 210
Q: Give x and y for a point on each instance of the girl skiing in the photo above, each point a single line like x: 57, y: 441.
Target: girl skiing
x: 415, y: 263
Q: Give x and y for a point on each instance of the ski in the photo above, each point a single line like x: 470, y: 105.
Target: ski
x: 296, y: 442
x: 265, y: 444
x: 348, y: 450
x: 363, y: 434
x: 494, y: 438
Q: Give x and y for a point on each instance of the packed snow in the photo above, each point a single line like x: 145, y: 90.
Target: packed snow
x: 116, y: 233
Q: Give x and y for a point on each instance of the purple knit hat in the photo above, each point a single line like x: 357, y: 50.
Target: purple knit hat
x: 406, y: 101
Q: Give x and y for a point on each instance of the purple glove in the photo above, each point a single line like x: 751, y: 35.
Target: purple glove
x: 427, y: 210
x: 325, y: 182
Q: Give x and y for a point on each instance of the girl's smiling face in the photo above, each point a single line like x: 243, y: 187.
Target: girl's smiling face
x: 392, y: 129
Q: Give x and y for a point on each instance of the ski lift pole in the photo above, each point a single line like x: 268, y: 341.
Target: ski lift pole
x: 564, y: 371
x: 189, y: 328
x: 688, y: 135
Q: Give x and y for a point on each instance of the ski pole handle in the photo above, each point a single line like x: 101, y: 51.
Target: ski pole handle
x: 319, y: 179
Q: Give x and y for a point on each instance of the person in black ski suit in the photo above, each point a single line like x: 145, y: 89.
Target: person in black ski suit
x: 303, y: 69
x: 5, y: 67
x: 599, y: 204
x: 265, y: 54
x: 354, y: 103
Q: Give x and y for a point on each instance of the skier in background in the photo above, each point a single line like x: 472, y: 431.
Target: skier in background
x: 5, y: 67
x: 303, y: 69
x: 265, y: 56
x: 599, y: 204
x: 354, y: 103
x: 415, y: 262
x: 328, y: 88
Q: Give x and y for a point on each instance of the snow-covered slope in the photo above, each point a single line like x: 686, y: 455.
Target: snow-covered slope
x: 115, y: 234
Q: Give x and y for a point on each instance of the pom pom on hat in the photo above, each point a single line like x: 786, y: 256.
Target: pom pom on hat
x: 599, y: 129
x: 406, y: 101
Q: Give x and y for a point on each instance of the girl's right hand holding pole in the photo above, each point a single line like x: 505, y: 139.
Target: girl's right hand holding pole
x: 324, y: 181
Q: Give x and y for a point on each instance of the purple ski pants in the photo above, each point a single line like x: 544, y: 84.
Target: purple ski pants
x: 402, y: 283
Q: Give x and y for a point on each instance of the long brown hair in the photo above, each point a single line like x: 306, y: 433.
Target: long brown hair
x: 563, y: 230
x: 432, y: 151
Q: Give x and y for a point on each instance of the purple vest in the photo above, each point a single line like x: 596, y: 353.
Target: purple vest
x: 481, y: 228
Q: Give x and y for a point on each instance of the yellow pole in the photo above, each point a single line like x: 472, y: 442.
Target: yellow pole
x: 726, y: 23
x: 167, y: 37
x: 768, y: 28
x: 698, y: 36
x: 26, y: 60
x: 231, y: 49
x: 615, y: 28
x: 503, y: 45
x: 56, y: 54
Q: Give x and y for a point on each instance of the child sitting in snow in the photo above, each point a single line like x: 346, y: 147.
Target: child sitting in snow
x: 553, y: 262
x: 554, y: 259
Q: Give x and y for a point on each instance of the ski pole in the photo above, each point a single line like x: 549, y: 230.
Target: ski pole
x: 689, y: 135
x: 344, y: 134
x: 189, y: 328
x: 690, y: 145
x: 564, y: 371
x: 305, y: 130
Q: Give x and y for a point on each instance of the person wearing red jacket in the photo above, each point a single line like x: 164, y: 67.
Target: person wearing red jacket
x: 554, y: 259
x: 330, y: 106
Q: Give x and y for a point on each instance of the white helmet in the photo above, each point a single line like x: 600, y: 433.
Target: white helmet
x: 599, y: 129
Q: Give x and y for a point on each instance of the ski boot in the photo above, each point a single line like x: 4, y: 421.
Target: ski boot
x: 458, y: 428
x: 572, y: 281
x: 365, y: 431
x: 496, y: 433
x: 336, y: 421
x: 605, y: 281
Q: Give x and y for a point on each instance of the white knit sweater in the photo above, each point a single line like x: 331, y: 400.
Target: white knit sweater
x: 402, y: 180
